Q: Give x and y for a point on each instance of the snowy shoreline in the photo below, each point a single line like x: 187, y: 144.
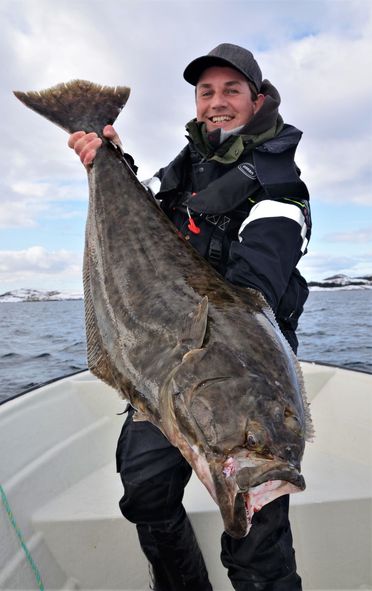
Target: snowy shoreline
x: 36, y: 295
x: 335, y: 283
x: 339, y: 287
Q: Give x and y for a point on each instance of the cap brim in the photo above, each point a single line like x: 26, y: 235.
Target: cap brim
x: 195, y: 69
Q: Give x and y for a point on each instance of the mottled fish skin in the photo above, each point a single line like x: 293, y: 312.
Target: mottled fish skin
x: 200, y: 358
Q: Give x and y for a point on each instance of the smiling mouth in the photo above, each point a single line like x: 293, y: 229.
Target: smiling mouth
x: 220, y: 118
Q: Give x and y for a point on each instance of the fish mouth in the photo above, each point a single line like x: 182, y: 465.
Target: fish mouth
x: 248, y: 478
x: 250, y: 489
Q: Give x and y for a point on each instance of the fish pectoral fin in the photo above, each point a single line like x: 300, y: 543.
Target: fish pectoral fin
x: 194, y: 326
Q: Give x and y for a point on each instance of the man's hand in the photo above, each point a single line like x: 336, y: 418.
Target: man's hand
x: 87, y: 144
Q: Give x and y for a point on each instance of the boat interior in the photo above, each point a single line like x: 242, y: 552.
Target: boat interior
x: 60, y: 524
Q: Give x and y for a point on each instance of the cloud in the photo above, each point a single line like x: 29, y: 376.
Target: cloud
x: 26, y: 202
x: 335, y: 173
x: 357, y: 237
x: 327, y: 92
x: 316, y: 52
x: 318, y: 265
x: 15, y: 212
x: 36, y: 264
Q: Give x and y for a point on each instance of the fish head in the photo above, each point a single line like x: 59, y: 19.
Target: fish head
x: 247, y: 432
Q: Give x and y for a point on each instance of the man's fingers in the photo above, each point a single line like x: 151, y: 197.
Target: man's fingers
x: 88, y: 158
x: 110, y: 133
x: 74, y: 137
x: 79, y: 140
x: 87, y: 144
x: 87, y: 150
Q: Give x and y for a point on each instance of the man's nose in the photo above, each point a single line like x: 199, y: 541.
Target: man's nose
x: 219, y: 100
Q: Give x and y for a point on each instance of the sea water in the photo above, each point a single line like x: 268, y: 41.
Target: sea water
x: 41, y: 341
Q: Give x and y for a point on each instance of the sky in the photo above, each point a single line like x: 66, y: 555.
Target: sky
x: 318, y: 54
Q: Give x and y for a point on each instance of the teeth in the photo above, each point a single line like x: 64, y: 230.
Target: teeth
x: 221, y: 118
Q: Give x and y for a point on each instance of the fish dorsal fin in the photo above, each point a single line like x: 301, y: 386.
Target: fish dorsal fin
x: 309, y: 429
x: 78, y: 105
x: 98, y: 361
x: 194, y: 326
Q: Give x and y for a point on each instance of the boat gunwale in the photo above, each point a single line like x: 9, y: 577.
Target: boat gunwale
x: 74, y: 373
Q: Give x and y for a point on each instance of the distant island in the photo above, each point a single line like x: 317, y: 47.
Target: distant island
x: 343, y: 282
x: 36, y: 295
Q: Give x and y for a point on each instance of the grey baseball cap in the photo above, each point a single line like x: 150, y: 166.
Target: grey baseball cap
x: 226, y: 54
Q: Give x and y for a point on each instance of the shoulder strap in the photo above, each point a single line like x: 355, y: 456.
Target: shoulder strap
x: 276, y: 168
x: 278, y: 175
x: 226, y: 193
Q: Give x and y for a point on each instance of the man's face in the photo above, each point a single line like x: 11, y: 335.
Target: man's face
x: 223, y: 99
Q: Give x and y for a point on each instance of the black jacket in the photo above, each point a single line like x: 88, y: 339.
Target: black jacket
x: 250, y: 218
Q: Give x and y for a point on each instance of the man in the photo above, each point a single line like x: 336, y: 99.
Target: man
x: 235, y: 193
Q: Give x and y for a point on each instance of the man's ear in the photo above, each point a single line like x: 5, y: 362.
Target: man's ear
x: 258, y: 102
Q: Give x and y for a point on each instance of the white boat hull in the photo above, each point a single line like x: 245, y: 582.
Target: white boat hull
x: 58, y: 476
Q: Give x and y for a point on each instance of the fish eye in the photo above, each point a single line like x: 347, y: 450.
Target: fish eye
x: 255, y: 437
x: 251, y: 440
x: 291, y: 418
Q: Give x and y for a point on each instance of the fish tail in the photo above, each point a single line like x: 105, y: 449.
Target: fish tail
x: 78, y: 105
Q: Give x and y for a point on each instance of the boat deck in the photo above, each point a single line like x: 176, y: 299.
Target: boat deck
x: 58, y: 445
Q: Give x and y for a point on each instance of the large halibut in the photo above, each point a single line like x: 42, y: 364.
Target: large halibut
x: 201, y: 359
